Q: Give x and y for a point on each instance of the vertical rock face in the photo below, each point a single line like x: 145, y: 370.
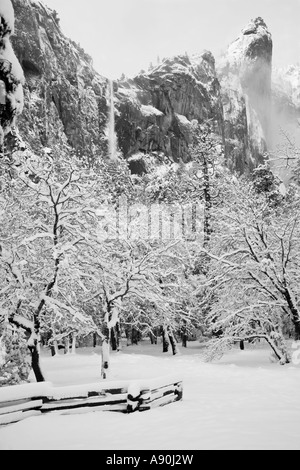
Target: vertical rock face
x: 245, y: 77
x: 65, y: 99
x: 67, y: 102
x: 288, y: 81
x: 156, y: 109
x: 11, y: 74
x: 286, y: 105
x: 285, y: 137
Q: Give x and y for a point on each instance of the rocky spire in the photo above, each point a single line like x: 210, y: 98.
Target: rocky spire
x: 245, y: 74
x: 254, y: 44
x: 250, y: 58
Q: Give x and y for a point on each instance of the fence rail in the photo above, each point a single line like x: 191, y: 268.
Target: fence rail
x: 18, y: 402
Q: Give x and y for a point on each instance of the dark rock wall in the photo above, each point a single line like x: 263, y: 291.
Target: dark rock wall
x: 67, y: 102
x: 245, y: 77
x: 156, y: 110
x: 65, y: 99
x: 11, y: 77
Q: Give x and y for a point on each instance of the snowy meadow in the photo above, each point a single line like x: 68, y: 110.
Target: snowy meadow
x: 242, y: 401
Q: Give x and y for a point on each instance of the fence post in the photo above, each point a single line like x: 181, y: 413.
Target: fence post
x: 145, y: 399
x: 178, y: 391
x: 133, y: 397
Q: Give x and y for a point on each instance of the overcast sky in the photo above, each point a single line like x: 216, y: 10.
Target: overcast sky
x: 124, y: 36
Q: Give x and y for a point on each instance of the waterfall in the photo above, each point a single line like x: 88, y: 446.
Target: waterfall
x: 112, y: 140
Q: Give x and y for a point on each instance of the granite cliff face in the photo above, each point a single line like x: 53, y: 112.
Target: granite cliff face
x: 67, y: 101
x: 245, y: 78
x: 11, y: 76
x: 156, y: 109
x: 286, y: 105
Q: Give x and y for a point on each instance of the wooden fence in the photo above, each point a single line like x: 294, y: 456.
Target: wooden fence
x: 18, y: 402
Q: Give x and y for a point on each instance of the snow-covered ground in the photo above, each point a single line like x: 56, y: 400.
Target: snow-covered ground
x: 243, y: 401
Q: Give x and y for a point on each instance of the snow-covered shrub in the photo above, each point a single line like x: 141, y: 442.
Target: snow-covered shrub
x: 14, y: 360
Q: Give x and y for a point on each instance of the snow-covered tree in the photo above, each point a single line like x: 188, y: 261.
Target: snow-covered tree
x: 253, y: 281
x: 124, y: 273
x: 47, y: 205
x: 267, y: 183
x: 205, y: 152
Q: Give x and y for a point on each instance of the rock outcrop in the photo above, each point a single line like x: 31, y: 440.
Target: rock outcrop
x: 245, y: 77
x: 65, y: 99
x: 155, y: 110
x: 11, y: 75
x: 286, y: 105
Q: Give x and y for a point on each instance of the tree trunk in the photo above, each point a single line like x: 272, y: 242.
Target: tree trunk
x: 135, y: 336
x: 118, y: 336
x: 74, y: 336
x: 297, y: 330
x: 207, y: 202
x: 127, y: 334
x: 35, y: 361
x: 165, y: 338
x: 33, y: 345
x: 279, y: 349
x: 173, y: 343
x: 94, y: 340
x: 105, y: 352
x: 105, y: 359
x: 184, y: 336
x: 277, y: 345
x: 66, y: 344
x: 55, y: 345
x: 295, y: 314
x: 153, y: 338
x: 242, y: 346
x: 115, y: 338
